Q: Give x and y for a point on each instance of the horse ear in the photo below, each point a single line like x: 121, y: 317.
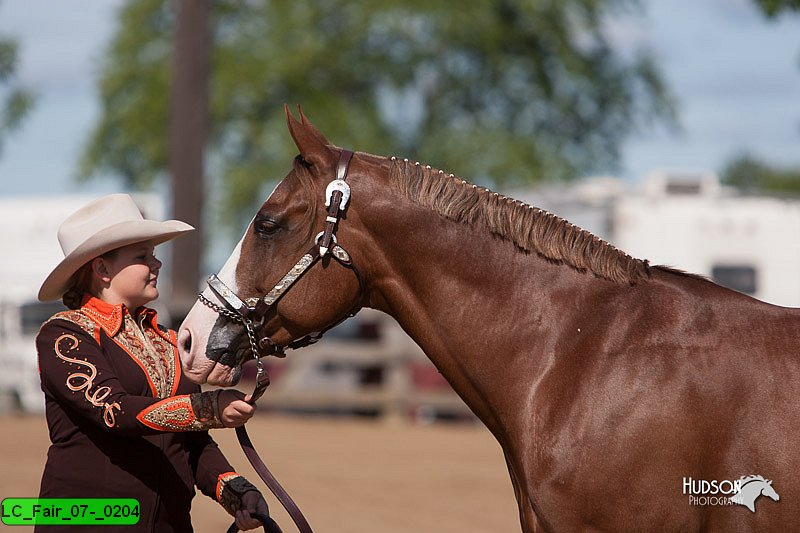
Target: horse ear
x: 313, y: 146
x: 307, y: 123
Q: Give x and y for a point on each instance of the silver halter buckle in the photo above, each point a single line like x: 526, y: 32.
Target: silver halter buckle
x: 341, y: 186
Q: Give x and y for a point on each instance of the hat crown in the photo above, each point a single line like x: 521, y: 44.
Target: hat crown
x: 95, y: 217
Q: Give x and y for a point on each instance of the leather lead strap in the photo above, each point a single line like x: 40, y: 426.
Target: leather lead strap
x: 262, y: 382
x: 276, y: 488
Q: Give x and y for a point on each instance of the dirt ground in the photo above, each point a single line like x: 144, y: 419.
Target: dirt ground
x: 348, y: 476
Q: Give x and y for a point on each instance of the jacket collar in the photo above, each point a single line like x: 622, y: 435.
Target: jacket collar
x: 110, y: 316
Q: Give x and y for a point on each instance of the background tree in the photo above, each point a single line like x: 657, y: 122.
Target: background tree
x: 755, y: 176
x: 15, y: 101
x: 772, y: 8
x: 510, y: 91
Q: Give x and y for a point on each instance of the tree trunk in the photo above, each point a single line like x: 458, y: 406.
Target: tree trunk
x: 188, y: 132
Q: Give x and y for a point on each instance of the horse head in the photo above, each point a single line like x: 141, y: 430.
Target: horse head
x: 750, y: 488
x: 768, y: 490
x: 287, y: 277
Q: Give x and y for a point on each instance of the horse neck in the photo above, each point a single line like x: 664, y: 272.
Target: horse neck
x: 470, y: 299
x: 459, y: 276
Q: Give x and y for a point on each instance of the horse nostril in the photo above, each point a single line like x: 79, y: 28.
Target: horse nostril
x: 186, y: 340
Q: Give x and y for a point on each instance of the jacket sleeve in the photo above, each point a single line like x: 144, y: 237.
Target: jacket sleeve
x: 214, y: 476
x: 75, y: 371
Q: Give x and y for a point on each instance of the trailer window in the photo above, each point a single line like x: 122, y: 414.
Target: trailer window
x: 742, y: 278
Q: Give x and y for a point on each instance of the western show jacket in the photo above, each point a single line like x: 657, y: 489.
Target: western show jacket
x: 123, y: 421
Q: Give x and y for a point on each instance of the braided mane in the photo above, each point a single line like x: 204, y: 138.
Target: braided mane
x: 531, y: 229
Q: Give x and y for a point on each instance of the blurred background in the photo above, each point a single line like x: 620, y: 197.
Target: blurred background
x: 671, y: 128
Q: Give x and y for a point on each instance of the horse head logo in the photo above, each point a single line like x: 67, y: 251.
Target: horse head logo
x: 750, y: 488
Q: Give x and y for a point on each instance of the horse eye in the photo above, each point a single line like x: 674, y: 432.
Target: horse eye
x: 303, y: 162
x: 265, y: 226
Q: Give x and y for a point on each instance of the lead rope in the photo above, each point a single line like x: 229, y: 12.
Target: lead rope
x: 262, y: 382
x: 264, y: 473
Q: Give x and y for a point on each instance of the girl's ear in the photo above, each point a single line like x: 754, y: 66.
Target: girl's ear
x: 101, y: 270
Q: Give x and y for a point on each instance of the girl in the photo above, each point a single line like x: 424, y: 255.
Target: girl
x: 123, y: 421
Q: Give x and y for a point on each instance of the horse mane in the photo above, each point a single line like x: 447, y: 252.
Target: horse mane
x: 680, y: 272
x: 747, y: 479
x: 531, y: 229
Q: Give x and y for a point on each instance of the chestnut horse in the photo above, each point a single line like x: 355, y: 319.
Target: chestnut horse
x: 623, y: 395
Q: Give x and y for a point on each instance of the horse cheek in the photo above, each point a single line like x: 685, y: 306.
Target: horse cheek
x: 325, y: 296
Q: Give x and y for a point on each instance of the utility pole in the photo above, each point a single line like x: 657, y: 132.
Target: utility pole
x: 188, y: 132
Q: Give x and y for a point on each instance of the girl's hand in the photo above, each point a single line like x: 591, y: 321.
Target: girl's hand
x: 233, y: 410
x: 252, y: 502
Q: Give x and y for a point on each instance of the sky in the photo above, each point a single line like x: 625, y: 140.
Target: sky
x: 735, y: 74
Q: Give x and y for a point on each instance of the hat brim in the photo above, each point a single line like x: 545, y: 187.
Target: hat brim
x: 110, y: 238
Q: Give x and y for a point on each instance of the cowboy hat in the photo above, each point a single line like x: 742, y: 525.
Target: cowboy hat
x: 100, y: 226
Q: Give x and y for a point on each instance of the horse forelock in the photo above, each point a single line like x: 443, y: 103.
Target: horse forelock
x: 531, y: 229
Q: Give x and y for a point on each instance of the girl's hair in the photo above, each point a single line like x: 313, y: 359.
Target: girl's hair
x: 81, y: 283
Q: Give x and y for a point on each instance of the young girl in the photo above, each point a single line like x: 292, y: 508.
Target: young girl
x: 123, y: 421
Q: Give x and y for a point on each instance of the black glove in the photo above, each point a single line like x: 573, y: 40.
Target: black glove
x: 252, y: 502
x: 243, y: 500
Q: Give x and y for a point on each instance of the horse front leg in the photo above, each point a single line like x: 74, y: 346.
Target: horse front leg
x: 527, y: 517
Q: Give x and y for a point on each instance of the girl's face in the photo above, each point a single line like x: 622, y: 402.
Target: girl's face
x: 129, y: 276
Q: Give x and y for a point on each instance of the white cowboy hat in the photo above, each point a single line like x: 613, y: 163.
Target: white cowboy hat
x: 100, y: 226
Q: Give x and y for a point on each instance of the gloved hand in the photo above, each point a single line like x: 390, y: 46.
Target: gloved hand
x: 251, y: 502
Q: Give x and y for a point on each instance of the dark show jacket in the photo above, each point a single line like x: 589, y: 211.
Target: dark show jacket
x: 123, y: 421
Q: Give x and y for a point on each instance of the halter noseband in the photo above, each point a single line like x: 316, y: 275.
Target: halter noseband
x: 251, y: 313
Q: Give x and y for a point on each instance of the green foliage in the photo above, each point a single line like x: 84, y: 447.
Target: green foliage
x: 15, y: 102
x: 773, y: 8
x: 752, y: 175
x: 509, y: 91
x: 131, y: 138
